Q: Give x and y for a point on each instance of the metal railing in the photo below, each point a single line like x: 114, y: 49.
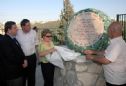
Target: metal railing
x: 122, y: 18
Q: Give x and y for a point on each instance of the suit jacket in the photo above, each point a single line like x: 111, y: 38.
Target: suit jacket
x: 1, y: 61
x: 13, y: 58
x: 1, y: 38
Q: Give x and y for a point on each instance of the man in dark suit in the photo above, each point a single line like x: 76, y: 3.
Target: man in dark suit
x: 2, y: 79
x: 13, y: 56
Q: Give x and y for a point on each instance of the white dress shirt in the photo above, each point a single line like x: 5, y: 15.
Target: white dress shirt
x: 28, y: 41
x: 115, y: 72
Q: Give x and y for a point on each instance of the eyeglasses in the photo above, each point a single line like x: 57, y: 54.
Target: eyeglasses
x: 48, y: 36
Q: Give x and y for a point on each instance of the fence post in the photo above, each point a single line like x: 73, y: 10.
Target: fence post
x: 122, y: 18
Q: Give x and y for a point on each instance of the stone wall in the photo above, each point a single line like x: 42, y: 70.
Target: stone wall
x: 85, y: 73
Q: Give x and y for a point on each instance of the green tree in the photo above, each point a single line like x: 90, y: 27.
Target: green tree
x: 65, y: 16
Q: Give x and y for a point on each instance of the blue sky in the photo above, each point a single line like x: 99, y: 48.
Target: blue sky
x: 49, y: 10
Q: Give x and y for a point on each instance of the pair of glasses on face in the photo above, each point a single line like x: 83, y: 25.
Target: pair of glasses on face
x: 49, y: 36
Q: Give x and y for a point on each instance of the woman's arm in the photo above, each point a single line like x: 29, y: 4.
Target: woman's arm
x: 46, y: 52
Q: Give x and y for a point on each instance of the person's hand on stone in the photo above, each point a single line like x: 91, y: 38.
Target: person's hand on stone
x: 89, y: 57
x: 88, y: 52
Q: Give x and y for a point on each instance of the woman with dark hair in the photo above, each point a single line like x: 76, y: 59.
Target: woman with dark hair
x: 46, y: 47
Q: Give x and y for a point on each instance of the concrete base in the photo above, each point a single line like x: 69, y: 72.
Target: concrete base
x: 79, y: 73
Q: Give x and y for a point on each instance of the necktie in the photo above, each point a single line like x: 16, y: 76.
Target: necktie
x: 15, y: 40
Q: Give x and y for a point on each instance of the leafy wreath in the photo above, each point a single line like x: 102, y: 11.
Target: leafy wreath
x: 102, y: 43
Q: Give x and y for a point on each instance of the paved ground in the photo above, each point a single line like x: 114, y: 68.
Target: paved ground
x: 39, y: 77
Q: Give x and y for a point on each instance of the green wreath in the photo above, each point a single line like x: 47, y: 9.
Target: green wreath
x: 101, y: 44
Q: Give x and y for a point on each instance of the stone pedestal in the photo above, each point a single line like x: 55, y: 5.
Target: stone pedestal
x: 79, y: 73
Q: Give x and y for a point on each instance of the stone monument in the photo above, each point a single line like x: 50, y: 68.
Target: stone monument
x: 87, y: 29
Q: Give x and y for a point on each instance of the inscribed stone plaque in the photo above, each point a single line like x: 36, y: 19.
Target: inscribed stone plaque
x: 86, y: 28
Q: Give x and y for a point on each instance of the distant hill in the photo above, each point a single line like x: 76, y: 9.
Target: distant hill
x: 1, y: 29
x: 53, y: 26
x: 49, y: 24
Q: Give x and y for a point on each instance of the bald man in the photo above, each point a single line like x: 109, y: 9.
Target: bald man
x: 113, y: 58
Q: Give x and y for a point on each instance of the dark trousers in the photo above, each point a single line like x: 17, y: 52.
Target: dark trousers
x: 2, y: 82
x: 29, y: 72
x: 2, y: 76
x: 108, y: 84
x: 15, y: 82
x: 48, y: 73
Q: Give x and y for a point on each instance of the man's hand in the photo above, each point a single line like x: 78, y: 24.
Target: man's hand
x: 25, y: 64
x: 89, y: 57
x: 89, y: 52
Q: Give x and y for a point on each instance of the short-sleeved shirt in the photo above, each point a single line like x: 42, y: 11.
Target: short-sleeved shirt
x: 115, y: 72
x: 28, y: 41
x: 43, y: 47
